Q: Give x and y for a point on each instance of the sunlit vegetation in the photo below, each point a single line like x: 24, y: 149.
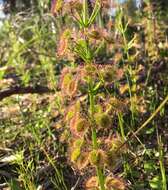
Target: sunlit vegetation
x: 83, y: 95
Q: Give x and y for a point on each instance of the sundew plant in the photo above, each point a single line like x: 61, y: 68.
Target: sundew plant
x: 83, y: 95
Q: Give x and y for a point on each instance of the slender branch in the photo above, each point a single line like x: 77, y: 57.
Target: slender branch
x: 38, y: 89
x: 145, y: 123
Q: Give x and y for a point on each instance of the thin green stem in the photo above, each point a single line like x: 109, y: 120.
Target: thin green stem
x: 99, y: 170
x: 161, y: 161
x: 85, y: 12
x: 94, y: 138
x: 92, y: 103
x: 121, y: 121
x: 100, y: 175
x: 132, y: 104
